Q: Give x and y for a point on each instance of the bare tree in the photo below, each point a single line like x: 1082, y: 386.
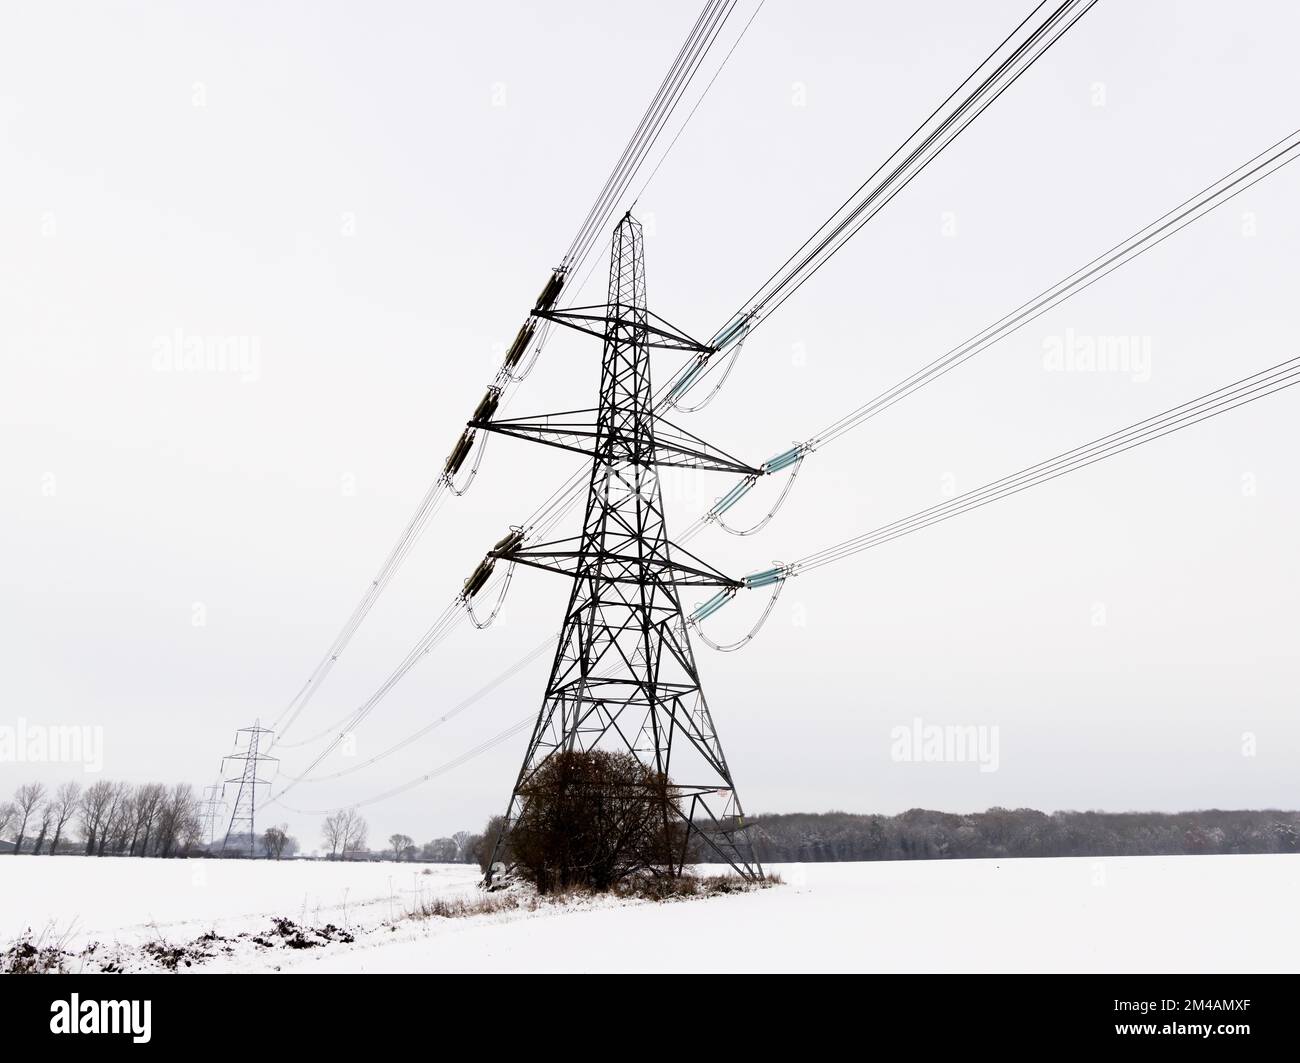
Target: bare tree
x: 116, y: 819
x: 46, y: 813
x: 344, y: 832
x: 275, y: 839
x: 146, y: 808
x: 487, y: 844
x: 334, y: 832
x: 355, y: 831
x: 27, y: 798
x: 177, y: 818
x: 93, y: 812
x: 66, y: 801
x: 192, y: 832
x: 439, y: 851
x: 461, y: 838
x: 400, y: 843
x: 8, y: 813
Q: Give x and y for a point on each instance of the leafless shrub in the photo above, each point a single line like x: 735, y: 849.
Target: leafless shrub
x: 592, y: 819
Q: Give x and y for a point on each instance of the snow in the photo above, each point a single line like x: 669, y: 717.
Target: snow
x: 1221, y: 914
x: 83, y: 899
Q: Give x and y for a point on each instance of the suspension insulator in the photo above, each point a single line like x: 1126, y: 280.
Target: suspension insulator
x: 732, y: 332
x: 520, y: 345
x: 478, y: 577
x: 765, y: 578
x: 783, y: 460
x: 487, y: 405
x: 710, y: 607
x: 551, y: 292
x: 683, y: 385
x: 733, y: 496
x: 461, y: 451
x: 507, y: 544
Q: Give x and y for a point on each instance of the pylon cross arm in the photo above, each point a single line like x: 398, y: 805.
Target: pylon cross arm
x: 671, y: 446
x: 564, y: 556
x: 599, y: 320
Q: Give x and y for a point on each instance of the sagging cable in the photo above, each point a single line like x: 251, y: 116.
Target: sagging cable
x: 791, y: 459
x: 733, y: 334
x: 707, y: 609
x: 483, y: 572
x: 496, y: 609
x: 713, y: 393
x: 688, y: 378
x: 735, y: 331
x: 772, y: 577
x: 516, y: 350
x: 467, y: 440
x: 513, y: 356
x: 483, y: 412
x: 487, y: 405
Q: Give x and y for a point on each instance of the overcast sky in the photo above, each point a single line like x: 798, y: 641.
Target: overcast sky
x: 371, y: 195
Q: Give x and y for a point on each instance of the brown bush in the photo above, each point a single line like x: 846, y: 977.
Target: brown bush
x: 487, y: 842
x: 591, y: 820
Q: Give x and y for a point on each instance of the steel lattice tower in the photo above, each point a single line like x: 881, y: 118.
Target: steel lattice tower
x: 624, y: 675
x: 210, y: 810
x: 244, y: 815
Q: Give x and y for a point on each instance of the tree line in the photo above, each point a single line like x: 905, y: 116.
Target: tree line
x: 104, y: 819
x: 344, y: 835
x: 920, y: 834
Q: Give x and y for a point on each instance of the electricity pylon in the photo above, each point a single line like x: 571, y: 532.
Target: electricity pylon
x: 245, y: 814
x: 624, y: 675
x: 210, y: 810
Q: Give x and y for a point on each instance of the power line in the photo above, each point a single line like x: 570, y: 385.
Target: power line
x: 1216, y: 194
x: 1248, y: 389
x: 469, y: 702
x: 1015, y: 54
x: 692, y: 53
x: 1222, y: 400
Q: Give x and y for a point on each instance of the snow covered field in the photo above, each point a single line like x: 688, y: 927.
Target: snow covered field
x: 1231, y: 913
x: 78, y: 900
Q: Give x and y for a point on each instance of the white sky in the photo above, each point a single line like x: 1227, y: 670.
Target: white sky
x: 349, y: 198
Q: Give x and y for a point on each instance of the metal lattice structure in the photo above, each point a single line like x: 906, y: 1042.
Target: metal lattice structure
x: 210, y: 811
x: 244, y: 817
x: 624, y: 675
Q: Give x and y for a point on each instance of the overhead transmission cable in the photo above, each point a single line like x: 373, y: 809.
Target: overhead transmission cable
x: 680, y: 75
x: 1213, y: 196
x: 844, y: 424
x: 1023, y: 47
x: 1004, y: 65
x: 1000, y: 69
x: 1249, y: 389
x: 1216, y: 194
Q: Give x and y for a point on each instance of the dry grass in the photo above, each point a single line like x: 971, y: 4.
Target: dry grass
x: 465, y: 907
x: 43, y: 953
x: 685, y: 887
x: 640, y: 887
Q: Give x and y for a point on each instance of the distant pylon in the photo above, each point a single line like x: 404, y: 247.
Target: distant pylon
x: 210, y: 810
x: 624, y: 675
x: 244, y: 817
